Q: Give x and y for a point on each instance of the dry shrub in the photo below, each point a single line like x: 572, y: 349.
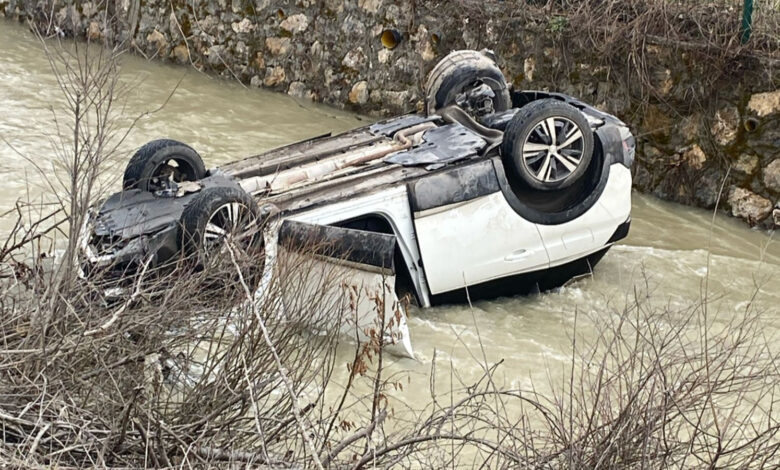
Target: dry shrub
x: 188, y: 371
x: 647, y: 386
x: 634, y: 41
x: 182, y: 364
x: 661, y: 387
x: 186, y: 378
x: 609, y: 26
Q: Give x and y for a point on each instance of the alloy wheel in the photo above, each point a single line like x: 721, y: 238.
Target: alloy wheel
x: 232, y: 222
x: 553, y: 149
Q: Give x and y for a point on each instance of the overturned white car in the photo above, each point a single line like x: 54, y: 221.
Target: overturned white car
x: 498, y: 191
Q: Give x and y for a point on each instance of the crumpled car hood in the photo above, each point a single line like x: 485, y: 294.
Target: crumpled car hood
x: 132, y: 213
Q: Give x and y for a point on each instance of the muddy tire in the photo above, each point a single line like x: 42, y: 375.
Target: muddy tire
x: 548, y: 145
x: 460, y: 73
x: 218, y: 215
x: 162, y: 159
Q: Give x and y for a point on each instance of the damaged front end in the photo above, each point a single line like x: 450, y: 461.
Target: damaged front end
x: 131, y: 230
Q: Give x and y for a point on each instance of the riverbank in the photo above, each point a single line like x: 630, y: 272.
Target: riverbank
x: 706, y: 111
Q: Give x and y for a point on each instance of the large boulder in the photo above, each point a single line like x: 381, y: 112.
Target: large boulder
x: 764, y: 104
x: 371, y: 6
x: 359, y: 93
x: 354, y: 59
x: 181, y: 54
x: 695, y: 157
x: 93, y: 31
x: 724, y: 127
x: 299, y: 90
x: 274, y: 76
x: 772, y: 176
x: 158, y: 40
x: 277, y: 46
x: 656, y: 123
x: 746, y: 164
x: 216, y: 55
x: 245, y: 26
x: 749, y: 206
x: 690, y: 128
x: 707, y: 188
x: 529, y: 67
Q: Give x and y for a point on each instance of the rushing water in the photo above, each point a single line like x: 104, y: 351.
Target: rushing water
x: 667, y: 248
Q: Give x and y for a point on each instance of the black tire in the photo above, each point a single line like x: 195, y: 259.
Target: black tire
x: 527, y: 134
x: 460, y: 71
x: 216, y: 205
x: 153, y: 160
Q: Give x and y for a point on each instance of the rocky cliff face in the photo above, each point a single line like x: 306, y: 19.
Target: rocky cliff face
x: 708, y: 123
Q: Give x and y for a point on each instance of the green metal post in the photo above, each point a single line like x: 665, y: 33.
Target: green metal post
x: 747, y: 20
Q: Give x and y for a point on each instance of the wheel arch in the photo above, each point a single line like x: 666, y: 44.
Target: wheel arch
x: 604, y: 156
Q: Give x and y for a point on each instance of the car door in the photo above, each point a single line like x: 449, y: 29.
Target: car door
x: 467, y: 232
x: 344, y: 275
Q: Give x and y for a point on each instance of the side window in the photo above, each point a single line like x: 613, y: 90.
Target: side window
x: 404, y: 285
x: 370, y: 223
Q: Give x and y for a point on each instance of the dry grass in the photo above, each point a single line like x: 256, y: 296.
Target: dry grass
x: 602, y: 25
x: 635, y: 41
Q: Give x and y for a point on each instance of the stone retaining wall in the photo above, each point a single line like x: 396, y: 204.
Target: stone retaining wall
x: 700, y: 126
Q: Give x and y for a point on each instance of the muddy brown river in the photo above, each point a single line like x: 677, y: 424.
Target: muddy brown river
x: 666, y: 250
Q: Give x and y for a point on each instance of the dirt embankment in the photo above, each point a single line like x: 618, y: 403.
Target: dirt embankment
x: 705, y: 108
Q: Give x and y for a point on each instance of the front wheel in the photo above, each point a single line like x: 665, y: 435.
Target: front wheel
x: 548, y: 145
x: 222, y: 218
x: 161, y: 161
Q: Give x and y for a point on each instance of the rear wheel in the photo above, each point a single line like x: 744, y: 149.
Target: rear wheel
x: 548, y: 145
x: 160, y: 161
x: 469, y: 79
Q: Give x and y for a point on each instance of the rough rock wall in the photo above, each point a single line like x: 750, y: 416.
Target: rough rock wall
x: 702, y: 124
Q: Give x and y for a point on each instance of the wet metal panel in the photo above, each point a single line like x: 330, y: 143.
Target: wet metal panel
x: 129, y: 214
x: 441, y: 145
x: 476, y: 241
x: 391, y: 126
x: 593, y: 229
x: 357, y: 299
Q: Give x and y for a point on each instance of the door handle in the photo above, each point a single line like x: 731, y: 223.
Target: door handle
x: 518, y: 255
